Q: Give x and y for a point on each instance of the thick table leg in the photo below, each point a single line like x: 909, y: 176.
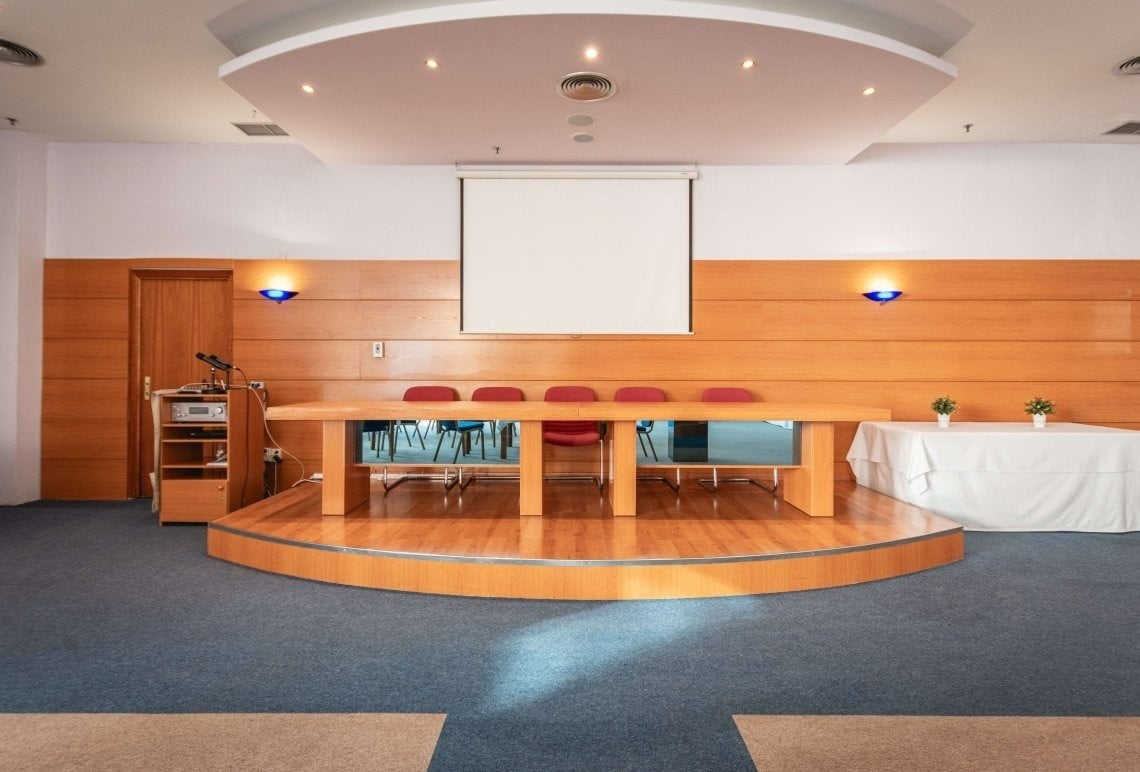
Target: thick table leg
x: 623, y: 461
x: 811, y: 486
x: 531, y: 467
x: 345, y: 485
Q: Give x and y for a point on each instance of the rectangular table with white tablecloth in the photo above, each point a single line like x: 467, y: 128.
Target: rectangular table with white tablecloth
x: 1006, y: 476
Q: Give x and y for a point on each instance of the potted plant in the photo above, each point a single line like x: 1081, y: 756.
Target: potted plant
x: 943, y: 406
x: 1039, y: 407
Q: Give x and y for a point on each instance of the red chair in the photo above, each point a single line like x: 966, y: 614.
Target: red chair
x: 644, y: 428
x: 733, y: 394
x: 575, y: 434
x: 390, y: 430
x: 505, y: 430
x: 642, y: 394
x: 420, y: 394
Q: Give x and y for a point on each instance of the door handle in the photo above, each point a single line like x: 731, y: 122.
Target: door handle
x: 146, y: 388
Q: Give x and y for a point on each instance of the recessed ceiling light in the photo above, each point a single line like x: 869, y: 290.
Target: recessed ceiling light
x: 580, y: 120
x: 582, y: 136
x: 591, y: 53
x: 748, y: 64
x: 431, y: 64
x: 869, y: 90
x: 308, y: 88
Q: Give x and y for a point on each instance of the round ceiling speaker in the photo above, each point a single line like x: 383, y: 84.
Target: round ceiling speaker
x: 586, y: 87
x: 14, y: 53
x: 1129, y: 66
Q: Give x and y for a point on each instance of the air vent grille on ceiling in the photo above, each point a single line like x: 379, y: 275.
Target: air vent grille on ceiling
x: 1129, y: 66
x: 262, y: 129
x: 1132, y: 127
x: 14, y: 53
x: 586, y: 87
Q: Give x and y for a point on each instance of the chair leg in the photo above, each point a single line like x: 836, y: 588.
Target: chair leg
x: 601, y: 464
x: 465, y: 439
x: 715, y: 483
x: 651, y: 448
x: 438, y: 445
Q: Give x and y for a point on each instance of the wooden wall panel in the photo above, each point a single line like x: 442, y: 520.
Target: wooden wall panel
x: 934, y: 320
x: 303, y: 319
x: 266, y: 360
x: 920, y: 280
x: 85, y: 318
x: 93, y: 438
x: 720, y: 361
x: 991, y: 333
x: 83, y: 479
x: 73, y: 279
x: 79, y: 398
x: 410, y: 279
x: 82, y: 358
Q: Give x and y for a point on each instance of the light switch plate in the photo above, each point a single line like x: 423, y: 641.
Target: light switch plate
x: 377, y: 349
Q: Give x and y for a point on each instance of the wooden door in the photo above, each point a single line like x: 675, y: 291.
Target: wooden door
x: 174, y: 315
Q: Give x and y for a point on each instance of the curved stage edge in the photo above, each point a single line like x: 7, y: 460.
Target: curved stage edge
x: 739, y: 541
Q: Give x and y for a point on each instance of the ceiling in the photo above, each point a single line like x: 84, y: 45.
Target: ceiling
x: 178, y: 71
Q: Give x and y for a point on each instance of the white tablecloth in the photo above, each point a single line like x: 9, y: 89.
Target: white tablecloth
x: 1006, y: 476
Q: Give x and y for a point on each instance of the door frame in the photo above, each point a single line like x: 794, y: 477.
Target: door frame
x: 134, y: 354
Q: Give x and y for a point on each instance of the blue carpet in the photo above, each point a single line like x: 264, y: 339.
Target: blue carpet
x: 103, y: 611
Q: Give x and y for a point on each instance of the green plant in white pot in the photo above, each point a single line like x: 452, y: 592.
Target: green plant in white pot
x: 943, y: 406
x: 1039, y: 407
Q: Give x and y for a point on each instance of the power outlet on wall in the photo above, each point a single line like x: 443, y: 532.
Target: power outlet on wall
x: 377, y: 349
x: 273, y: 455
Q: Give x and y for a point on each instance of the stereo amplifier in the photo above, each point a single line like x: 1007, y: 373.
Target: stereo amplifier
x: 198, y: 412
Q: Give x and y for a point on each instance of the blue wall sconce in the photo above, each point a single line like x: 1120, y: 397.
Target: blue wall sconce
x: 277, y: 295
x: 882, y: 296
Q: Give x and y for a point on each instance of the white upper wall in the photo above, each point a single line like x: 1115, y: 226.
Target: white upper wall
x: 895, y: 201
x: 23, y: 202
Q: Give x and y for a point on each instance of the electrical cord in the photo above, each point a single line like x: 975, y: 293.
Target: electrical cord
x: 268, y: 433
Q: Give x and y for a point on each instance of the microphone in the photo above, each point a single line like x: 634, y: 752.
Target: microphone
x: 214, y: 362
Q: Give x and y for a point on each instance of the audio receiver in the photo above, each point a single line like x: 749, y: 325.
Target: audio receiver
x: 198, y: 412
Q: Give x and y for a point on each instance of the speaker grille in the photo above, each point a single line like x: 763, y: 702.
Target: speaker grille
x: 14, y: 53
x: 586, y: 87
x: 262, y: 130
x: 1130, y: 128
x: 1129, y: 66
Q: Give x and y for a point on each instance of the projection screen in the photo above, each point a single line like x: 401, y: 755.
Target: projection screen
x: 576, y: 253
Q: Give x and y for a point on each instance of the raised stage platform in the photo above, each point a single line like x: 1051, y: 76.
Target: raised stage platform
x: 738, y: 541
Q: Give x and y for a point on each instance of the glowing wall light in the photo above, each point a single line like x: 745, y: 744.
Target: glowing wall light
x: 883, y: 295
x: 277, y: 295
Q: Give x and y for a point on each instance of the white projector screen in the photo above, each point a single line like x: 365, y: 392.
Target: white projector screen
x: 576, y: 255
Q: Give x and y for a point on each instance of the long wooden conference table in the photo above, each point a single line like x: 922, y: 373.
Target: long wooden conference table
x: 808, y: 486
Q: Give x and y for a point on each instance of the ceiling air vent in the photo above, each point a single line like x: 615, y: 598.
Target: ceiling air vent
x: 1129, y: 66
x: 262, y: 130
x: 14, y: 53
x: 1130, y: 128
x: 586, y: 87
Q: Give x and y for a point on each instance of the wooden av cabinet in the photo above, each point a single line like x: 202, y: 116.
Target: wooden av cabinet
x: 209, y: 468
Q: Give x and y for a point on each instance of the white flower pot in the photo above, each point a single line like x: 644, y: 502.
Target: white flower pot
x: 1039, y: 420
x: 943, y: 420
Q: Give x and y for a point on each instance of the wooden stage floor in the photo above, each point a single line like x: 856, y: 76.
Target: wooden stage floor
x: 739, y: 541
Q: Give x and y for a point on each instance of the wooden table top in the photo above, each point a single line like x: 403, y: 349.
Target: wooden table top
x: 593, y: 411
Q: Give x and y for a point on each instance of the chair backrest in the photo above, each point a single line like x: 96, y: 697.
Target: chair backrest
x: 497, y: 394
x: 726, y: 394
x: 639, y: 394
x: 570, y: 394
x: 430, y: 394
